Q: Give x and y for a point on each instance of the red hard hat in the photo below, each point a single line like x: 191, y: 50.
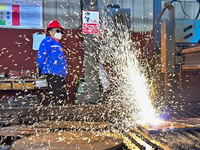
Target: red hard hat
x: 54, y: 24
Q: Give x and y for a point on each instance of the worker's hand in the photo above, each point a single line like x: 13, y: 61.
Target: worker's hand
x: 39, y: 72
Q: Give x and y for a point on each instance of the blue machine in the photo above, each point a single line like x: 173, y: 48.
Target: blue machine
x: 187, y: 30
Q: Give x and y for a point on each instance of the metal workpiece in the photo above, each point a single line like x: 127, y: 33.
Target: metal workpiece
x: 191, y: 58
x: 70, y: 140
x: 168, y: 135
x: 91, y: 127
x: 62, y: 135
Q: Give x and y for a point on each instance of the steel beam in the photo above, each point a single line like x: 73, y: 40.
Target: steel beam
x: 157, y: 32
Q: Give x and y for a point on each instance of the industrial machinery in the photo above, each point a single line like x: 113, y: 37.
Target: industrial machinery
x: 115, y: 14
x: 180, y: 63
x: 180, y: 39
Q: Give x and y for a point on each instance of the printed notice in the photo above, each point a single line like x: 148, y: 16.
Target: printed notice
x: 90, y: 22
x: 23, y: 14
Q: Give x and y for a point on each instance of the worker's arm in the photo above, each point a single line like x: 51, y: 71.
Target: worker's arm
x: 66, y: 67
x: 42, y: 53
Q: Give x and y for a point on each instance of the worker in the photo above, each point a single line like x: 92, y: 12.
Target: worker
x: 52, y: 63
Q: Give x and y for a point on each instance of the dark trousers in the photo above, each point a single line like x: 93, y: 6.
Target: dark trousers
x: 57, y: 89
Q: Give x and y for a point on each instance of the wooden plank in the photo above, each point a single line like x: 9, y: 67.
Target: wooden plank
x: 29, y: 85
x: 16, y: 131
x: 10, y: 79
x: 5, y: 86
x: 163, y: 48
x: 190, y: 50
x: 19, y: 84
x: 9, y: 121
x: 191, y: 67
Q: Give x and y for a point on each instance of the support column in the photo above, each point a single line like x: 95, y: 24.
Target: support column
x: 91, y: 66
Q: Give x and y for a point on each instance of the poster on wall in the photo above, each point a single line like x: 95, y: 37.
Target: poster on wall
x: 90, y: 22
x: 21, y: 14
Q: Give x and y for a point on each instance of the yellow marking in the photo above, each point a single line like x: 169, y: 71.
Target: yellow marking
x: 2, y: 7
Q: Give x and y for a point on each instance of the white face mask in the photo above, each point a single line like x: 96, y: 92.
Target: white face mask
x: 58, y: 36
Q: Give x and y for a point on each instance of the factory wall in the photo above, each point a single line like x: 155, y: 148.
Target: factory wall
x: 16, y: 53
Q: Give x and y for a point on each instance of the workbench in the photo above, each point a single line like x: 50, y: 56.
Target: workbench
x: 20, y: 84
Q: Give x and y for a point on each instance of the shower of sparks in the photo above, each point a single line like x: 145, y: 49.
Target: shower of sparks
x: 130, y: 93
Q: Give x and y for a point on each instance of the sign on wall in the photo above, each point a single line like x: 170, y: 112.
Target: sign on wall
x: 21, y: 14
x: 90, y: 22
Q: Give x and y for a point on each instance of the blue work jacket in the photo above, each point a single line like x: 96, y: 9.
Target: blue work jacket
x: 51, y: 58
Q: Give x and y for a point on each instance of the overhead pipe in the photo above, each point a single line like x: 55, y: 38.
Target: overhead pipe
x: 170, y: 7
